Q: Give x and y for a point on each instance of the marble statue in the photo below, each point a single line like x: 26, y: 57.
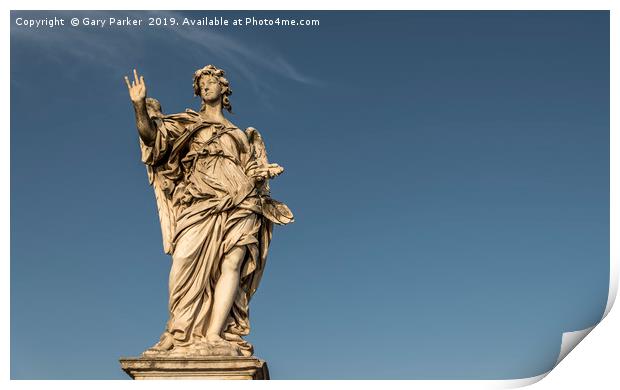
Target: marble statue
x: 211, y: 184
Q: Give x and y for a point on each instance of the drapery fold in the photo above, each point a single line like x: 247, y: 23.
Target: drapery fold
x: 198, y: 170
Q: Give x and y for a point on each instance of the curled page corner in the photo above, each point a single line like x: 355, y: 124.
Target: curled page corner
x: 516, y: 383
x: 569, y: 342
x: 571, y: 339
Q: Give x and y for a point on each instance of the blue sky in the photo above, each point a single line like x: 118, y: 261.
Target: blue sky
x: 448, y: 171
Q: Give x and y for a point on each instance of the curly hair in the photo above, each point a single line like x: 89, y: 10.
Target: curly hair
x: 218, y: 74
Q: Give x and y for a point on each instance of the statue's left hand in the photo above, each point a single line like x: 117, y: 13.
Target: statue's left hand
x: 274, y: 170
x: 263, y: 172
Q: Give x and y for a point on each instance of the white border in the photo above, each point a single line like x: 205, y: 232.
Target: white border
x: 594, y: 366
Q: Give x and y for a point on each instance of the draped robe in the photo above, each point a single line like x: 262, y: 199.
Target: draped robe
x: 208, y: 205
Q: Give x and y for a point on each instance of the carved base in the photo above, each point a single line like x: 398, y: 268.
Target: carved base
x: 196, y: 349
x: 208, y: 367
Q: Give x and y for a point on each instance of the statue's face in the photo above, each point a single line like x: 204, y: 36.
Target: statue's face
x: 210, y: 89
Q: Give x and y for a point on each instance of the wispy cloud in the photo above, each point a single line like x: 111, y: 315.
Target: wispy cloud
x: 93, y: 46
x: 250, y: 62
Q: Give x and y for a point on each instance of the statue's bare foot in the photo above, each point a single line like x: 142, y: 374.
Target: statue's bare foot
x: 164, y: 344
x: 215, y: 339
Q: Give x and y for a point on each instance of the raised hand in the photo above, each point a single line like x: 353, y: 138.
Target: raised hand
x: 137, y: 88
x: 137, y: 93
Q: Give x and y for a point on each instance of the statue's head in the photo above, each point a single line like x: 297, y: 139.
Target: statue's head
x: 153, y: 107
x: 211, y: 86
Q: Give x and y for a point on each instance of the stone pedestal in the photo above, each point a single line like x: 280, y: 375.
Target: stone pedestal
x: 208, y: 367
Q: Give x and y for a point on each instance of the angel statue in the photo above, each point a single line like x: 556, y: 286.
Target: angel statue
x: 211, y: 183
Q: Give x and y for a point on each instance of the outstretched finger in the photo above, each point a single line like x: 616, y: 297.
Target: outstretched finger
x: 127, y: 82
x: 142, y: 80
x: 135, y: 76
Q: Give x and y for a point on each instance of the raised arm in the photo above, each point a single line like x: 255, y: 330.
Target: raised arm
x: 137, y: 94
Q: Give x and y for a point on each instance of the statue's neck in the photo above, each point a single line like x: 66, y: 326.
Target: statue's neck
x: 212, y: 113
